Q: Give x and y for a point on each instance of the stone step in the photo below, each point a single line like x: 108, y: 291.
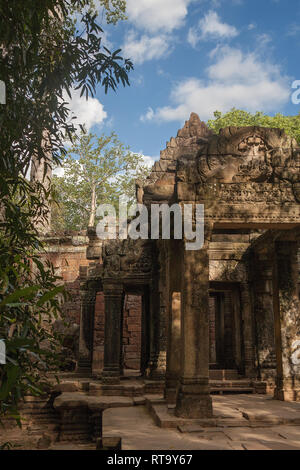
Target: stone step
x: 231, y: 383
x: 128, y: 388
x: 231, y: 390
x: 231, y: 386
x: 123, y: 389
x: 154, y: 386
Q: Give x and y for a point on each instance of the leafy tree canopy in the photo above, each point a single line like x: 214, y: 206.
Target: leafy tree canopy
x: 97, y: 170
x: 238, y: 117
x: 114, y: 10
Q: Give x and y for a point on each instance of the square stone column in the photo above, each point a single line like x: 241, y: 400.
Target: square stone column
x: 173, y: 287
x: 263, y: 310
x: 247, y: 322
x: 159, y: 372
x: 174, y: 346
x: 154, y: 331
x: 212, y: 331
x: 113, y: 297
x: 229, y: 362
x: 145, y: 336
x: 86, y: 335
x: 193, y: 398
x: 287, y: 321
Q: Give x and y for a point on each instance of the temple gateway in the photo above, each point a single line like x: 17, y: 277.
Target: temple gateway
x: 224, y: 317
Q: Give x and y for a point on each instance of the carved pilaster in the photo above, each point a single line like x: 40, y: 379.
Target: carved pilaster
x: 86, y: 338
x: 174, y: 344
x: 154, y: 327
x: 113, y: 297
x: 287, y: 321
x: 263, y: 311
x: 246, y: 306
x: 228, y: 331
x: 159, y: 350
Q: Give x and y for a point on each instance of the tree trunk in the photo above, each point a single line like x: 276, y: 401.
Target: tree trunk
x: 38, y: 174
x: 93, y: 208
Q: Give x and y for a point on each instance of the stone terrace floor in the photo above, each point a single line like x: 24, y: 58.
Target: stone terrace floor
x: 244, y: 422
x: 249, y: 424
x: 139, y: 432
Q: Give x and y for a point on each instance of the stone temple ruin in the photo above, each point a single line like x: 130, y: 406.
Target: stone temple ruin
x: 225, y: 317
x: 191, y: 323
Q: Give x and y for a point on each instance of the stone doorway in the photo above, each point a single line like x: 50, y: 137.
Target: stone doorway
x: 225, y: 336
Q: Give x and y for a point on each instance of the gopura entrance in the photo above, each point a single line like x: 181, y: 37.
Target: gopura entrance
x: 234, y: 303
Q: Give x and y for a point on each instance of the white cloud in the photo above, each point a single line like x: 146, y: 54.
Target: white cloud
x: 88, y: 112
x: 149, y: 161
x: 211, y: 27
x: 149, y: 115
x: 263, y: 39
x: 193, y: 36
x: 294, y: 30
x: 233, y: 80
x: 156, y: 15
x: 235, y: 67
x: 141, y: 49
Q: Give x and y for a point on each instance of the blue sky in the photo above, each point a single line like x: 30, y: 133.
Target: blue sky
x: 196, y: 55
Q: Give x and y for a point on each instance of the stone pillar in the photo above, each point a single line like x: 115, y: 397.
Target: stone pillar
x: 246, y: 307
x: 236, y: 305
x: 228, y: 331
x: 86, y: 335
x: 145, y: 339
x: 287, y: 321
x: 264, y: 316
x: 154, y: 333
x: 220, y: 330
x: 212, y: 331
x: 160, y: 371
x: 113, y: 297
x: 159, y: 311
x: 193, y: 399
x: 173, y: 353
x: 173, y: 288
x: 121, y: 362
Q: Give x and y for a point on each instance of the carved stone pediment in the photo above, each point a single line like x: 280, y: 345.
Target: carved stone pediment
x: 249, y: 154
x: 246, y: 174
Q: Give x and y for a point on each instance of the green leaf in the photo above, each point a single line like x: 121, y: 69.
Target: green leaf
x: 50, y: 295
x: 25, y: 293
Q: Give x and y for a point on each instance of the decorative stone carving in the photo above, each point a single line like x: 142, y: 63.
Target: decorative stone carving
x: 246, y: 154
x: 231, y: 170
x: 86, y: 330
x: 123, y: 258
x: 227, y: 270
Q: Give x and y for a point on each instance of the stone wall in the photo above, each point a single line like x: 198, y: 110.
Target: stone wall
x: 67, y: 252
